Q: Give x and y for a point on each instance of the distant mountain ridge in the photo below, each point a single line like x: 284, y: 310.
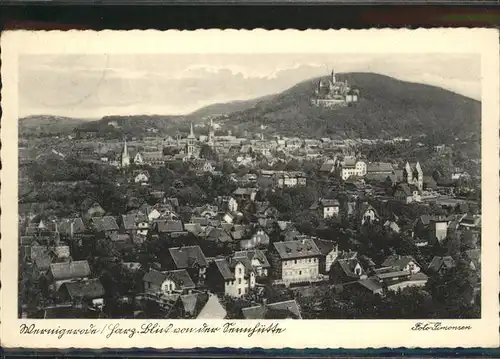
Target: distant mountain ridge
x: 226, y: 108
x: 387, y: 107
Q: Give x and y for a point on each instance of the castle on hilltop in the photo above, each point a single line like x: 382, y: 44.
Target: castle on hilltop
x: 333, y: 93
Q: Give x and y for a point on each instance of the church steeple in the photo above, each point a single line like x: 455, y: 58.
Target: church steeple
x: 191, y: 132
x: 211, y: 131
x: 334, y: 80
x: 125, y: 155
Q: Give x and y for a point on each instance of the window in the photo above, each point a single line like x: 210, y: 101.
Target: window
x: 239, y: 270
x: 300, y: 272
x: 295, y: 261
x: 239, y: 290
x: 309, y: 260
x: 239, y: 280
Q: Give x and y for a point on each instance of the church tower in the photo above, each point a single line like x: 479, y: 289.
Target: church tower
x: 190, y: 142
x: 334, y: 80
x: 211, y: 133
x: 125, y: 156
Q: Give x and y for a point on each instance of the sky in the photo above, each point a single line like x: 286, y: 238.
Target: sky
x: 93, y: 86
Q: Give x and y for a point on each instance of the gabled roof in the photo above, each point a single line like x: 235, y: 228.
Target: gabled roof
x: 365, y: 207
x: 70, y: 270
x: 192, y: 302
x: 188, y: 256
x: 219, y: 234
x: 224, y: 268
x: 441, y: 262
x: 194, y: 228
x: 396, y: 261
x: 297, y: 249
x: 213, y: 309
x: 348, y: 266
x: 65, y: 226
x: 130, y: 221
x: 251, y: 254
x: 180, y: 277
x: 106, y: 223
x: 169, y: 226
x: 278, y: 310
x: 325, y: 246
x: 88, y: 289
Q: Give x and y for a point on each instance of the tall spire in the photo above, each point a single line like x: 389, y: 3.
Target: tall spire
x: 191, y: 132
x: 125, y: 149
x: 333, y: 76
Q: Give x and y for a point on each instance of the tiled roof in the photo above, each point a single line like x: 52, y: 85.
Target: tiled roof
x: 107, y: 223
x: 203, y: 221
x: 169, y: 226
x: 62, y: 251
x: 130, y: 221
x: 180, y: 277
x: 251, y: 254
x: 325, y: 246
x: 213, y: 309
x: 439, y: 262
x: 65, y: 226
x: 393, y: 274
x: 219, y: 234
x: 194, y: 228
x: 348, y: 266
x: 279, y: 310
x: 69, y: 270
x: 370, y: 284
x: 192, y: 302
x: 399, y: 262
x: 186, y: 257
x: 89, y: 289
x: 224, y: 268
x: 379, y: 167
x: 297, y: 249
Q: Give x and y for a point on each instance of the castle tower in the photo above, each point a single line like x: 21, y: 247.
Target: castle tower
x: 125, y: 156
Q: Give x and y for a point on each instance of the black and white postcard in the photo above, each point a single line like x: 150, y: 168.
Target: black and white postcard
x: 196, y: 189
